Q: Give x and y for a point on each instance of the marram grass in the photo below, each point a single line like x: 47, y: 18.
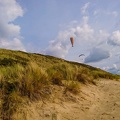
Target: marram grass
x: 27, y: 76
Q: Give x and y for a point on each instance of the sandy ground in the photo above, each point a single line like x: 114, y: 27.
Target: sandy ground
x: 100, y: 102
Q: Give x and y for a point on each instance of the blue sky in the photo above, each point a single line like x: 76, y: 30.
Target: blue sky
x: 45, y: 26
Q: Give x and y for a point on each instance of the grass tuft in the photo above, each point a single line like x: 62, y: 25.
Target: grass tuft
x: 72, y: 86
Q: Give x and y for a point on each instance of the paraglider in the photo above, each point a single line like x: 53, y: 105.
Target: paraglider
x: 72, y: 41
x: 81, y: 55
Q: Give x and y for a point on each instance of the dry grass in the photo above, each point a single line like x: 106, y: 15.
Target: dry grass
x: 28, y: 76
x: 18, y: 82
x: 72, y: 86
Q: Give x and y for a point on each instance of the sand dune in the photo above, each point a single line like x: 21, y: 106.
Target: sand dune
x: 100, y: 102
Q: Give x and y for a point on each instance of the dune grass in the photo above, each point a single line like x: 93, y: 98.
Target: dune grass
x: 27, y: 76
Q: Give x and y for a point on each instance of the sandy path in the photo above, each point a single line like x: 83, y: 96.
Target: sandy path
x: 107, y: 107
x: 100, y: 102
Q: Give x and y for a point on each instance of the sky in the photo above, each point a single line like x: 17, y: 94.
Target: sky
x: 45, y: 27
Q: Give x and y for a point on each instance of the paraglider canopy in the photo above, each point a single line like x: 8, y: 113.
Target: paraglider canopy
x: 81, y: 55
x: 72, y: 41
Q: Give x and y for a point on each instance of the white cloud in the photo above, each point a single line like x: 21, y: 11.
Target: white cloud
x: 61, y: 45
x: 84, y: 31
x: 105, y: 13
x: 9, y: 32
x: 86, y: 38
x: 113, y: 69
x: 114, y: 38
x: 10, y: 10
x: 14, y: 44
x: 84, y: 8
x: 97, y: 54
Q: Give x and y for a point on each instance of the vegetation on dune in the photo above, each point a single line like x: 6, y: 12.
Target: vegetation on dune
x: 27, y: 76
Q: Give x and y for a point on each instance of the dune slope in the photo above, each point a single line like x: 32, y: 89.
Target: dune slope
x: 100, y: 102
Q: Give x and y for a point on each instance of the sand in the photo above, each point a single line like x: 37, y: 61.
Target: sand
x: 95, y: 102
